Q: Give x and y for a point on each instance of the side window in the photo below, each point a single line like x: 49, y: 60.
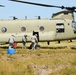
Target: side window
x: 23, y: 29
x: 60, y: 28
x: 41, y: 28
x: 4, y: 29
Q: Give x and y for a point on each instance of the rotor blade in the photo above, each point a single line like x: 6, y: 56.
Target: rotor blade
x: 2, y: 6
x: 46, y: 5
x: 39, y: 4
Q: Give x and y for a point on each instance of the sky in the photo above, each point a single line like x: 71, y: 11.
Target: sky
x: 20, y: 10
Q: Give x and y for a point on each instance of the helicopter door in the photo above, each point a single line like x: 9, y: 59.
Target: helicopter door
x: 37, y: 34
x: 59, y: 28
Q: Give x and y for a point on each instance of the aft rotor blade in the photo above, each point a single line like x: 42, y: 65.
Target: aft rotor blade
x: 38, y: 4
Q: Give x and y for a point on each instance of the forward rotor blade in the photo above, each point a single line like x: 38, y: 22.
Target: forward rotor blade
x: 38, y: 4
x: 2, y: 6
x: 46, y: 5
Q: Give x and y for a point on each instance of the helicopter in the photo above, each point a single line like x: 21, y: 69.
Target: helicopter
x: 61, y: 26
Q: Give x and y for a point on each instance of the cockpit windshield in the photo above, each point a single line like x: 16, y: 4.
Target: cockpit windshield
x: 74, y: 24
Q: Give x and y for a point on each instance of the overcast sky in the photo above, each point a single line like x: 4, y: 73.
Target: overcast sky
x: 21, y: 10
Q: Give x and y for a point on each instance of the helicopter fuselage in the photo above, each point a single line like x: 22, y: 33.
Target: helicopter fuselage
x: 46, y: 29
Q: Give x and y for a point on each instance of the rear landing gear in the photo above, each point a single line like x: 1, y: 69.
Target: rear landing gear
x: 59, y: 41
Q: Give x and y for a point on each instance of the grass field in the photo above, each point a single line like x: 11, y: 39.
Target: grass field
x: 53, y: 59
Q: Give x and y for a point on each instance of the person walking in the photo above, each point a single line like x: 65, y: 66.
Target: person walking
x: 34, y: 41
x: 24, y: 39
x: 11, y: 41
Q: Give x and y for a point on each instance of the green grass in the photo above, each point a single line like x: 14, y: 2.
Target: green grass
x: 60, y: 61
x: 17, y: 64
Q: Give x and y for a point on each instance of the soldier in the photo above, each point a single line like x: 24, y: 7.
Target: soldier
x: 34, y: 41
x: 11, y: 41
x: 24, y: 39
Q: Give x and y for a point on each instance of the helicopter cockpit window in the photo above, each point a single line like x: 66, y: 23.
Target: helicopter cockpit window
x: 4, y: 29
x: 60, y: 28
x: 74, y: 24
x: 41, y: 28
x: 23, y: 29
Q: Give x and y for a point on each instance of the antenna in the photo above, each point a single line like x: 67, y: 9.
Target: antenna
x: 38, y: 17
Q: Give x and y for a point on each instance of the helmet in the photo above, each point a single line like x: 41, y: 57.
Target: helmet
x: 25, y: 35
x: 35, y: 34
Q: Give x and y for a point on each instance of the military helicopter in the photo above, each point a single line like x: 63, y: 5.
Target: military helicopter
x: 60, y: 27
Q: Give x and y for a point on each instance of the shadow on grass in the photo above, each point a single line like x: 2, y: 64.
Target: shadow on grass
x: 60, y: 47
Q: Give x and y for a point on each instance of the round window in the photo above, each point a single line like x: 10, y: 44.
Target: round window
x: 41, y: 28
x: 4, y: 29
x: 23, y: 29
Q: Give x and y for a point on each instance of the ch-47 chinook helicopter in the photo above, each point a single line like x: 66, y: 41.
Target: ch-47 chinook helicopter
x: 60, y: 27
